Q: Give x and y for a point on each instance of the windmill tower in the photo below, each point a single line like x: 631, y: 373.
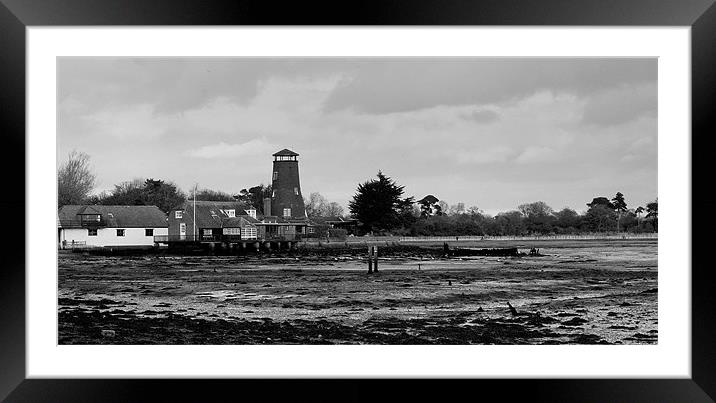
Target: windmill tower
x: 286, y: 197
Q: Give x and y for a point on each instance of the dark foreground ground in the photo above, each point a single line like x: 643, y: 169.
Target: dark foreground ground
x: 597, y: 292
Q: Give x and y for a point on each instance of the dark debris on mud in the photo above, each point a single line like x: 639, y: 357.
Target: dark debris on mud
x: 86, y: 326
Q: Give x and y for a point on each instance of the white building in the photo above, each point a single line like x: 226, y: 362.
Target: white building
x: 109, y: 226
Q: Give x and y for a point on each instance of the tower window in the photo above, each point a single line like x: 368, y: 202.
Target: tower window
x: 177, y: 214
x: 295, y: 190
x: 275, y: 175
x: 287, y: 212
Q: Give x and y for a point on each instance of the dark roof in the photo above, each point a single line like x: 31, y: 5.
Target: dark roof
x: 117, y: 216
x: 240, y: 207
x: 275, y: 220
x: 236, y: 222
x: 218, y: 204
x: 248, y: 218
x: 209, y: 214
x: 285, y: 153
x: 88, y: 210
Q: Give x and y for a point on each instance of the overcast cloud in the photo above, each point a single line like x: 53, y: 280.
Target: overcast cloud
x: 493, y: 133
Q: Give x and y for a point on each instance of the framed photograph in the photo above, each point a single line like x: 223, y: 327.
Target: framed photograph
x: 477, y: 200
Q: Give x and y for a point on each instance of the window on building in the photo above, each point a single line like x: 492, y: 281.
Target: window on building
x: 287, y: 212
x: 251, y: 212
x: 248, y: 233
x: 177, y: 214
x: 275, y: 175
x: 231, y: 213
x: 92, y: 232
x: 273, y: 193
x: 90, y: 218
x: 295, y: 190
x: 206, y: 231
x: 149, y: 232
x: 120, y: 232
x: 232, y: 231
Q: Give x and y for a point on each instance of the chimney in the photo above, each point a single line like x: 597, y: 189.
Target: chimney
x: 267, y: 206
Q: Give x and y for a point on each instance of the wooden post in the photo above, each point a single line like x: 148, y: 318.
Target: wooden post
x: 375, y: 256
x: 370, y: 259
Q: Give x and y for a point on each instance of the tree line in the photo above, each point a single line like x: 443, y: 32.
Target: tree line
x: 76, y: 180
x: 378, y: 205
x: 380, y: 208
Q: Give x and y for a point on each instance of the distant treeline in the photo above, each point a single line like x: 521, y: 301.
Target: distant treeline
x: 380, y: 208
x: 565, y: 221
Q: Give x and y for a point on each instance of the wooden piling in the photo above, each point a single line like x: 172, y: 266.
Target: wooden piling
x: 375, y: 256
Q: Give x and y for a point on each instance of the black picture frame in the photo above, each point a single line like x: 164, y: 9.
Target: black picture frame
x: 16, y: 15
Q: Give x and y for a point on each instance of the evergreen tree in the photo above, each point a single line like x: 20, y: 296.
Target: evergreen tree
x: 138, y: 192
x: 428, y: 206
x: 212, y: 195
x: 603, y: 201
x: 652, y: 212
x: 620, y: 206
x: 255, y: 197
x: 378, y: 205
x: 164, y: 195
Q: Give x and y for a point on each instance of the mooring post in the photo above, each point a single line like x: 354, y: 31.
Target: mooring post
x: 375, y: 256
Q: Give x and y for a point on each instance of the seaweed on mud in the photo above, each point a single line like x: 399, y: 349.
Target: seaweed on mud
x: 574, y: 322
x: 90, y: 302
x: 588, y: 339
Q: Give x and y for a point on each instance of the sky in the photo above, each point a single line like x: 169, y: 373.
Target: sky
x: 487, y: 132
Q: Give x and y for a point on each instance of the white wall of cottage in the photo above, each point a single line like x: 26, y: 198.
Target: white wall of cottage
x: 108, y: 236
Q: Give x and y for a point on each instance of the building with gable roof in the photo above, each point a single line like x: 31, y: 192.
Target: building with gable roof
x: 212, y: 221
x: 98, y: 226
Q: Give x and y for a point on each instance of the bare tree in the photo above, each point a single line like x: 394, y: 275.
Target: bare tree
x: 75, y: 179
x: 457, y: 209
x: 319, y: 206
x: 313, y: 204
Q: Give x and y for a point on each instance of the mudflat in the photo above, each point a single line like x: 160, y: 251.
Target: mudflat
x: 596, y: 292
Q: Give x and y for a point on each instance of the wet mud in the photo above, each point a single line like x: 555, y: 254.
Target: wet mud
x: 597, y: 293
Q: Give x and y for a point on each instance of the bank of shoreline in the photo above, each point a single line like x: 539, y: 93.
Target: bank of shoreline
x: 357, y: 247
